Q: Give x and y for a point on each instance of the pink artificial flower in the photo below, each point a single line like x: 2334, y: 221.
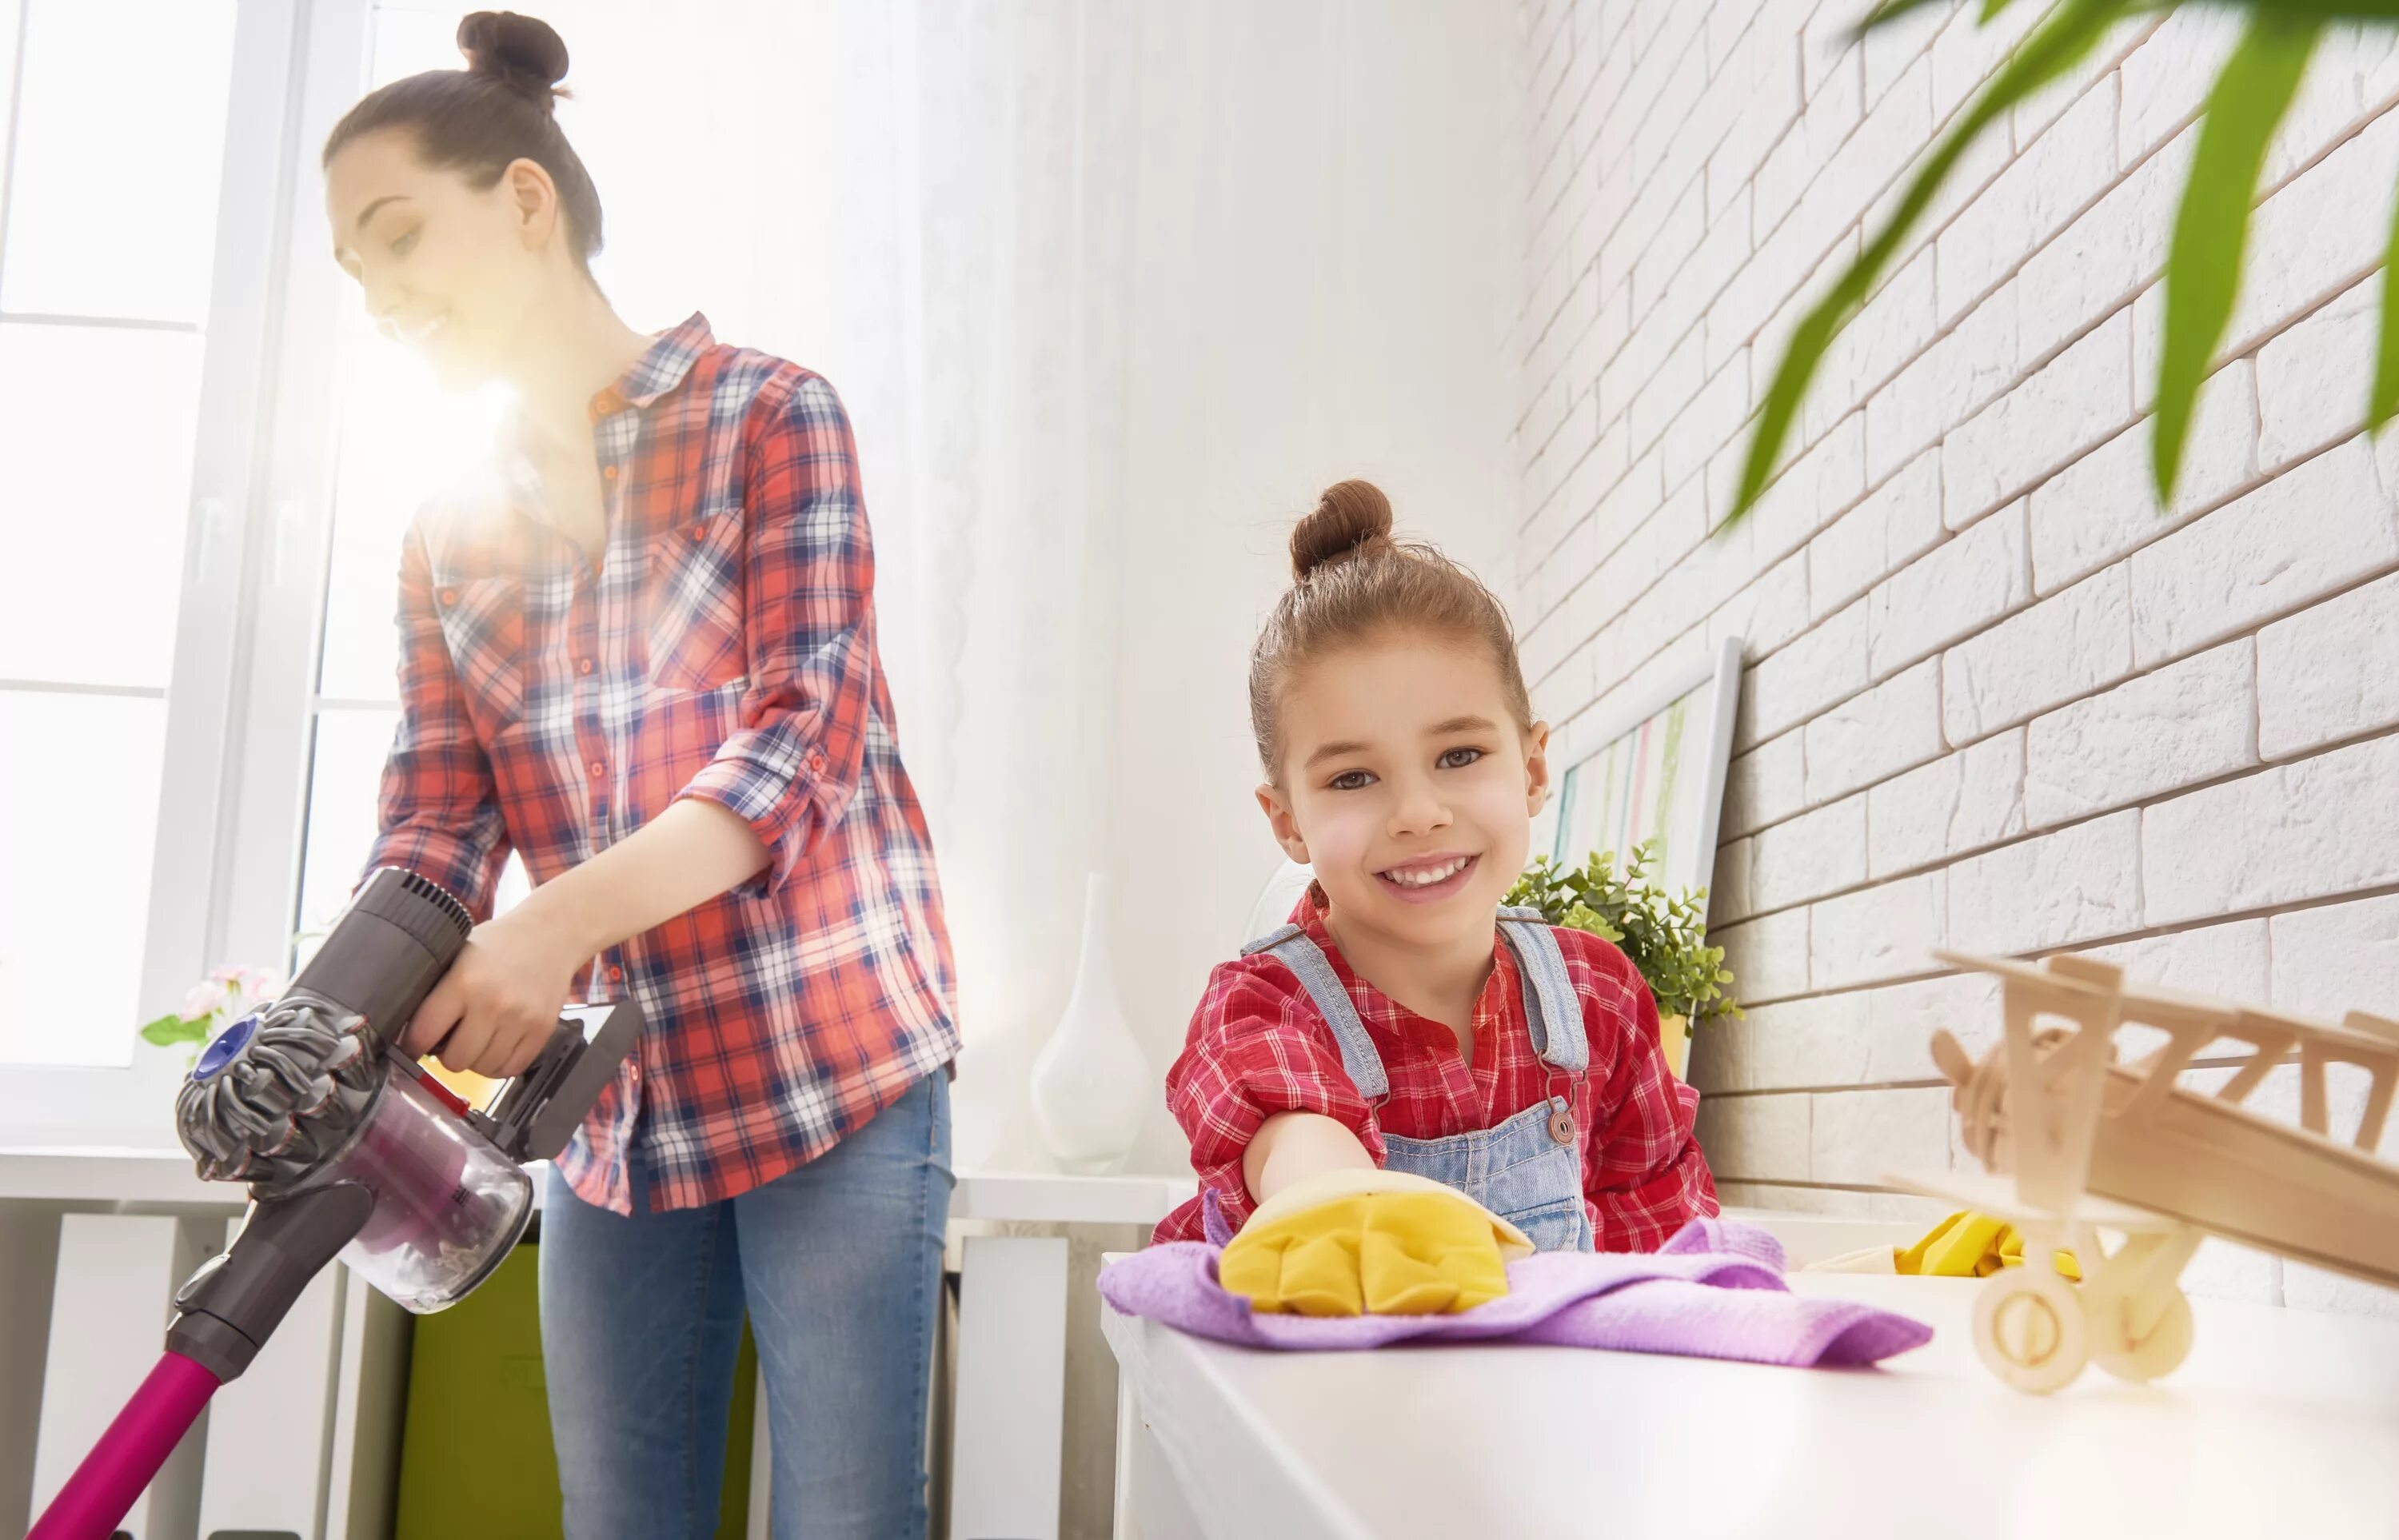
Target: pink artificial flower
x: 251, y: 987
x: 229, y: 993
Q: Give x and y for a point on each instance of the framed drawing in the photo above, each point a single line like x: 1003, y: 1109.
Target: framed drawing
x: 1654, y: 771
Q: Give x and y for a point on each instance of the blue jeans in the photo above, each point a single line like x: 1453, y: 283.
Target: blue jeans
x: 839, y: 1266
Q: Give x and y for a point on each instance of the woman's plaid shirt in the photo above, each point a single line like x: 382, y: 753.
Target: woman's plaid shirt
x: 722, y: 646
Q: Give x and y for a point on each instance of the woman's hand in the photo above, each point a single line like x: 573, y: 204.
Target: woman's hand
x: 498, y: 1002
x: 497, y: 1007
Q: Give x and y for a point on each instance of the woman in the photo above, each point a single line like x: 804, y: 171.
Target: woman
x: 642, y: 654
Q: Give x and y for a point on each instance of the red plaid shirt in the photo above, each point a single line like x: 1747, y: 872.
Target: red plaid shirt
x: 722, y: 647
x: 1258, y: 1047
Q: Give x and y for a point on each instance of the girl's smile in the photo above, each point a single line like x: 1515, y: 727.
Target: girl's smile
x: 1430, y: 879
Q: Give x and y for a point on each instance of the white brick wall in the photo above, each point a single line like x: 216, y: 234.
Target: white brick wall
x: 1995, y: 697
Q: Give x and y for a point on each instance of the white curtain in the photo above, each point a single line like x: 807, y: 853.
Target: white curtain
x: 1111, y: 287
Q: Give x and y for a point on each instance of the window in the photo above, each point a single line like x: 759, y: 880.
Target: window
x: 163, y: 486
x: 207, y: 461
x: 105, y: 316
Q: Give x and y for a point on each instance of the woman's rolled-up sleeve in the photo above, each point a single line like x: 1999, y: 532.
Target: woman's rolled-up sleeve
x: 792, y: 766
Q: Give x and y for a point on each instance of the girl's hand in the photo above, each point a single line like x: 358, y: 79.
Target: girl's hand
x: 1347, y: 1242
x: 497, y: 1007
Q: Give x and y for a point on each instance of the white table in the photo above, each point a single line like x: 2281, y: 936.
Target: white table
x: 1008, y: 1406
x: 2281, y: 1423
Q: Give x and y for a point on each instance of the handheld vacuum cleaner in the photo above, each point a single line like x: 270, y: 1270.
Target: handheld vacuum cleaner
x: 350, y: 1151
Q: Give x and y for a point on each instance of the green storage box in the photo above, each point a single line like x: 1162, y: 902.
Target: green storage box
x: 476, y: 1443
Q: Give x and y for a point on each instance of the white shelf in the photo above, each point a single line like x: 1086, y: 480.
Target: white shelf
x: 1052, y: 1198
x: 109, y: 1174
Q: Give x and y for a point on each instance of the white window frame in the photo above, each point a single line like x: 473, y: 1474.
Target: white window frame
x: 233, y: 796
x: 257, y: 904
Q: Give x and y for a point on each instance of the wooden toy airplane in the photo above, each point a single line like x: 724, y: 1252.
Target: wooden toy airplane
x: 2077, y: 1142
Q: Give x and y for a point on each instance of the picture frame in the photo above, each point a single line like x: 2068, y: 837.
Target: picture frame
x: 1654, y: 770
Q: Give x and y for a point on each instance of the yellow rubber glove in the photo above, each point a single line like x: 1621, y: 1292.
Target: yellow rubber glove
x: 1969, y: 1245
x: 1382, y: 1243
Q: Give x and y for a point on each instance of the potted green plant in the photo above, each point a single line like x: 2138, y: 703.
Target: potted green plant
x: 1666, y: 937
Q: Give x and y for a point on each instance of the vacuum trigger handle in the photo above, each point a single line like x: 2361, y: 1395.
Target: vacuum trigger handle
x: 537, y: 1111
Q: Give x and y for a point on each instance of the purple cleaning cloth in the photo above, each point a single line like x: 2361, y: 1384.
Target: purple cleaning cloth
x: 1714, y: 1291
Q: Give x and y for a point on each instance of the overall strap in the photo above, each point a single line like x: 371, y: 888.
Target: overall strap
x: 1291, y: 947
x: 1552, y: 1008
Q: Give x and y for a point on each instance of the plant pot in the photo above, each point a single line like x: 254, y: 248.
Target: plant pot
x: 1092, y: 1085
x: 1674, y: 1038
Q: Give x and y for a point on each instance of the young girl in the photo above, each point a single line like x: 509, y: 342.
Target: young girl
x: 1402, y: 1020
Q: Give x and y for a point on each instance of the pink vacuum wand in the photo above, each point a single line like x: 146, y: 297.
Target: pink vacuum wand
x: 128, y: 1455
x: 347, y: 1148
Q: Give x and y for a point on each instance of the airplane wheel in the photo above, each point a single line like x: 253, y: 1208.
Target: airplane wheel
x: 2159, y: 1351
x: 2029, y: 1329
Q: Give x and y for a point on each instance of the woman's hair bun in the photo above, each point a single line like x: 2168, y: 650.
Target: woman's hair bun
x: 1350, y: 515
x: 522, y: 52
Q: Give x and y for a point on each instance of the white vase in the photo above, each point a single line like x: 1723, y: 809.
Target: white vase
x: 1091, y: 1088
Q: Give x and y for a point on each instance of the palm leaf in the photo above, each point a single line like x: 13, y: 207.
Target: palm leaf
x: 2203, y: 264
x: 2321, y: 10
x: 1889, y: 11
x: 2054, y: 47
x: 2384, y: 399
x: 1886, y: 11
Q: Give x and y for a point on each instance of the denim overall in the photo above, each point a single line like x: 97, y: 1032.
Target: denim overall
x: 1528, y: 1170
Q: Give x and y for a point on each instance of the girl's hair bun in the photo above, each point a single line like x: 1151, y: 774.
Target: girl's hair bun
x: 1356, y: 582
x: 1349, y: 517
x: 522, y: 52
